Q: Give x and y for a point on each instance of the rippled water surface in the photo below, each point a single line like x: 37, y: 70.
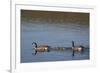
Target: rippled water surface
x: 56, y: 29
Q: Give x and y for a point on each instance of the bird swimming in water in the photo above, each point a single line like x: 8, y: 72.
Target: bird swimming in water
x: 76, y: 48
x: 40, y: 48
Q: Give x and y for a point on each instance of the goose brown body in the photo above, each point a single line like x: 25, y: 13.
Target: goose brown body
x: 76, y: 48
x: 40, y: 48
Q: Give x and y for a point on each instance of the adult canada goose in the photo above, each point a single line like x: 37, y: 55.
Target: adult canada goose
x: 76, y: 48
x: 40, y: 48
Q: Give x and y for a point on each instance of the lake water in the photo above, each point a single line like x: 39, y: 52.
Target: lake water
x: 55, y: 33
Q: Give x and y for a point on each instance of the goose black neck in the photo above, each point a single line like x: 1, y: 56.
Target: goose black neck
x: 34, y: 44
x: 73, y: 44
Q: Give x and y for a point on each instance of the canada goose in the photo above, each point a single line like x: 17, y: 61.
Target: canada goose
x: 76, y: 48
x: 40, y: 48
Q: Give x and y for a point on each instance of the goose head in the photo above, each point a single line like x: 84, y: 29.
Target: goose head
x: 34, y: 44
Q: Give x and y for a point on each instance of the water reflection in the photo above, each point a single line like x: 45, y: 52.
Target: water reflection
x: 56, y: 29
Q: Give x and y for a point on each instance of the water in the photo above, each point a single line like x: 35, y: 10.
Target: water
x: 53, y: 32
